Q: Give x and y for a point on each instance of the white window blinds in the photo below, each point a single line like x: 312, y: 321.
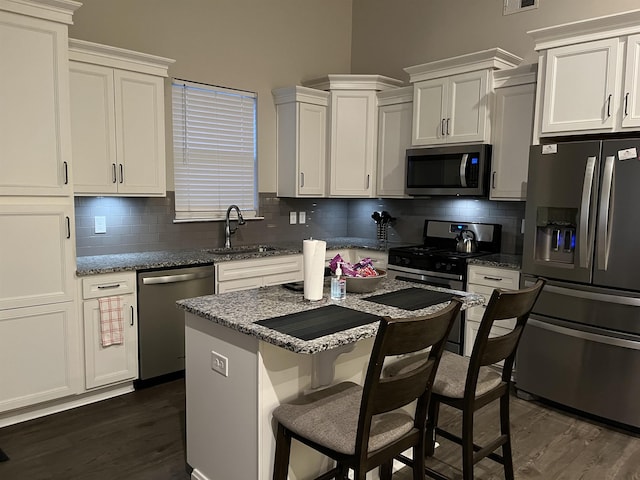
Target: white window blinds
x: 214, y: 151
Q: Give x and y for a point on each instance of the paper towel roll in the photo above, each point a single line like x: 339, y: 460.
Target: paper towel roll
x: 313, y: 253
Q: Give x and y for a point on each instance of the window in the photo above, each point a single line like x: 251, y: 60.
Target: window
x: 214, y: 150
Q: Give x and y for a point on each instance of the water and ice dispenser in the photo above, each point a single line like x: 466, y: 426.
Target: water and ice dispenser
x: 556, y: 234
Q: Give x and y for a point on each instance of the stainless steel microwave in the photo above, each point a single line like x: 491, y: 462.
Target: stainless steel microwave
x: 459, y: 170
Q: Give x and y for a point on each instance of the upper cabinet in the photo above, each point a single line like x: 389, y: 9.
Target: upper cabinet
x: 588, y: 76
x: 353, y: 126
x: 395, y: 111
x: 301, y: 116
x: 512, y: 132
x: 35, y: 141
x: 452, y: 97
x: 117, y: 120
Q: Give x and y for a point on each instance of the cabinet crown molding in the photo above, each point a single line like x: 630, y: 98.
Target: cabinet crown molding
x: 89, y: 52
x: 491, y: 59
x: 521, y: 75
x: 353, y: 82
x: 395, y: 95
x: 56, y: 10
x: 598, y: 28
x: 300, y: 94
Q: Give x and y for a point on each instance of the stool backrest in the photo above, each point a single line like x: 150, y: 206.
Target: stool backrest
x: 503, y: 304
x: 399, y: 337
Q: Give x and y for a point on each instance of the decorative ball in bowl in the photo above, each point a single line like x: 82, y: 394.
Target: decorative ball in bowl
x: 365, y: 284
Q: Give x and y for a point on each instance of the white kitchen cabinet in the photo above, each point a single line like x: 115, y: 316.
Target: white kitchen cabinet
x: 37, y: 252
x: 238, y: 275
x: 452, y: 97
x: 117, y: 120
x: 353, y: 120
x: 512, y: 132
x: 588, y: 76
x: 395, y: 113
x: 483, y: 280
x: 35, y: 139
x: 301, y: 115
x: 114, y: 363
x: 39, y: 354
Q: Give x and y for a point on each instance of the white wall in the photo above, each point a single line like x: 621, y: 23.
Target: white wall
x: 254, y: 45
x: 389, y: 35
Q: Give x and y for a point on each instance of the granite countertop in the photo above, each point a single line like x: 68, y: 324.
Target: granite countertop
x: 123, y: 262
x: 498, y: 260
x: 240, y: 311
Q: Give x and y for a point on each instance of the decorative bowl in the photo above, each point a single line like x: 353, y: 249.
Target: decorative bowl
x: 365, y: 284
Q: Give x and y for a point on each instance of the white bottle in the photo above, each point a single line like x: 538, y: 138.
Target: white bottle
x: 338, y: 285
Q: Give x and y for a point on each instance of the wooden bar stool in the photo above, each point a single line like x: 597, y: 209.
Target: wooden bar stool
x: 469, y: 384
x: 363, y: 427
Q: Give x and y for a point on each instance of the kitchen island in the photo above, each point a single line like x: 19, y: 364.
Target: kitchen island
x: 238, y: 370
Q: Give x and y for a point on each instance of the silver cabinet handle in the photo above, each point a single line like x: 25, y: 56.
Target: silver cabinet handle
x: 68, y: 227
x: 604, y: 221
x: 626, y: 104
x: 609, y: 105
x: 585, y: 211
x: 121, y: 173
x: 463, y: 169
x: 131, y: 321
x: 493, y: 180
x: 301, y: 179
x: 184, y: 277
x: 66, y: 173
x: 368, y: 181
x: 448, y: 120
x: 115, y: 176
x: 106, y: 287
x: 495, y: 279
x: 442, y: 127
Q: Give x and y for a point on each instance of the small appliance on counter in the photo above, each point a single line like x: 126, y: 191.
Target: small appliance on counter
x: 438, y: 260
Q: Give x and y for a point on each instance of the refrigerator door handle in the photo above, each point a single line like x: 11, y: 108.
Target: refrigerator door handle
x: 594, y: 337
x: 463, y: 170
x: 598, y: 297
x: 605, y: 215
x: 585, y: 212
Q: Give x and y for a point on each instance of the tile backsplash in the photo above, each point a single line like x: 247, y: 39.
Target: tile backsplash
x: 146, y: 224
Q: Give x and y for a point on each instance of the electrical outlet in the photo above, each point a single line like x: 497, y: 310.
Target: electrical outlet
x: 293, y: 218
x: 100, y: 225
x: 302, y: 217
x: 219, y: 363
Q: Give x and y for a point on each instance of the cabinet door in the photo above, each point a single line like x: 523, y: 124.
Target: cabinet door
x: 39, y: 358
x: 115, y: 363
x: 139, y: 110
x: 312, y: 149
x: 353, y: 131
x: 394, y: 137
x: 468, y: 99
x: 512, y: 136
x: 93, y: 128
x: 36, y: 254
x: 631, y: 100
x: 35, y: 149
x: 580, y: 87
x: 429, y: 111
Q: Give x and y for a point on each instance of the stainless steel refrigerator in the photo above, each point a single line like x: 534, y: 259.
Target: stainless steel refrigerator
x: 581, y: 346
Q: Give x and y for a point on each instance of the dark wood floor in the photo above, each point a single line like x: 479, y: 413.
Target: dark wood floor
x: 140, y: 436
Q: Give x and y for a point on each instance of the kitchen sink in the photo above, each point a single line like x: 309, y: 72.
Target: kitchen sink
x: 242, y: 249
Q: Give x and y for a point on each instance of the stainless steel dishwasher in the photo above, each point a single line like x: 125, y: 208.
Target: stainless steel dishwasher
x: 161, y: 323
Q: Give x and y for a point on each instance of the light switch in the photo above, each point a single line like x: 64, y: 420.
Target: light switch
x: 100, y: 225
x: 293, y: 218
x: 302, y: 217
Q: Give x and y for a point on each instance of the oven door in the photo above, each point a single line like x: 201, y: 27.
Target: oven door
x: 443, y: 280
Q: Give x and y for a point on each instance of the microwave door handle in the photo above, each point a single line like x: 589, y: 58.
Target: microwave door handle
x: 463, y: 170
x: 605, y: 215
x: 585, y: 212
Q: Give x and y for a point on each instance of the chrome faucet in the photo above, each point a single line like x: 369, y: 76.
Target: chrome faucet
x: 227, y: 227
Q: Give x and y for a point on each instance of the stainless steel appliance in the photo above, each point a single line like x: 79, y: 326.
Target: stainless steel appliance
x: 161, y: 323
x: 437, y: 262
x: 581, y: 347
x: 452, y: 170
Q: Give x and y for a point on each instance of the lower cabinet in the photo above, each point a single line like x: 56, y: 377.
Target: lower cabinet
x: 39, y: 357
x: 483, y: 280
x: 239, y: 275
x: 113, y: 363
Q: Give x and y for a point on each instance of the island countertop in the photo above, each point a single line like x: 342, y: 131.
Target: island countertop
x: 241, y: 310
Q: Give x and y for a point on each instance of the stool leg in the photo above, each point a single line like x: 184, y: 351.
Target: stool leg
x: 432, y: 423
x: 283, y: 451
x: 418, y: 460
x: 386, y: 470
x: 467, y: 442
x: 505, y: 429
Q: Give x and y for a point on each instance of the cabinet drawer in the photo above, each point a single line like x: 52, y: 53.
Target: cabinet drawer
x: 494, y: 277
x: 476, y: 313
x: 243, y: 269
x: 108, y: 284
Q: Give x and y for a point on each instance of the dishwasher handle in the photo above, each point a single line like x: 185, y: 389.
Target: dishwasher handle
x: 183, y: 277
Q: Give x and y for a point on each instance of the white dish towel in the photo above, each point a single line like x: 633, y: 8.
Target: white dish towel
x: 111, y: 321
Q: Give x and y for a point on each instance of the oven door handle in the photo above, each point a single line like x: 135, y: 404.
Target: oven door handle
x: 463, y: 169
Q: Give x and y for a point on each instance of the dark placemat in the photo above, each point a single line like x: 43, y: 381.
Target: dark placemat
x: 412, y: 298
x: 318, y: 322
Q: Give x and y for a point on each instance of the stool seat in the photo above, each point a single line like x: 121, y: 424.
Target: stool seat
x: 330, y: 418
